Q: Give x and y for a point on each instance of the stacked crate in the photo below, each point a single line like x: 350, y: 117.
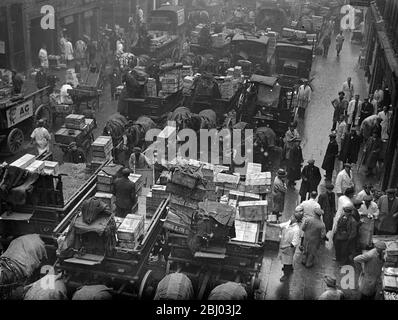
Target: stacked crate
x: 107, y: 198
x: 36, y: 166
x: 130, y: 230
x: 154, y: 198
x: 390, y: 273
x: 75, y: 121
x: 105, y: 182
x: 138, y: 181
x: 102, y: 149
x: 151, y: 87
x: 51, y: 168
x: 24, y: 162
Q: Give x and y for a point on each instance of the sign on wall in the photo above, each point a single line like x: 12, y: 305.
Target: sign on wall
x: 19, y: 113
x: 360, y: 3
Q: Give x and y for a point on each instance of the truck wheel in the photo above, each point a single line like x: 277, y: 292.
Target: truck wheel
x: 15, y: 140
x: 45, y: 113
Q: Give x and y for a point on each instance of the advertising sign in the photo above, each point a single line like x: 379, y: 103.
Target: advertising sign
x: 19, y: 113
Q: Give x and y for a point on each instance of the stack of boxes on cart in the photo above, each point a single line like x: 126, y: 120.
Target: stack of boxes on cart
x: 230, y: 83
x: 101, y: 150
x: 151, y: 88
x: 130, y: 230
x: 75, y: 129
x: 29, y: 163
x: 171, y: 81
x: 390, y: 272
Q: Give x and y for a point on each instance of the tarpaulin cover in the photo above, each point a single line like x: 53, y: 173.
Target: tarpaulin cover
x: 15, y: 183
x: 91, y: 208
x: 228, y: 291
x: 175, y: 286
x: 96, y: 292
x: 50, y: 287
x: 28, y: 252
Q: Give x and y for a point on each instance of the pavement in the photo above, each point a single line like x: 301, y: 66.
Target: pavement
x: 329, y: 73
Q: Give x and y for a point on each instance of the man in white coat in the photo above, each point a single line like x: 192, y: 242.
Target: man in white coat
x: 43, y: 57
x: 69, y: 53
x: 304, y: 98
x: 354, y: 112
x: 344, y: 180
x: 310, y: 205
x: 348, y: 89
x: 385, y: 116
x: 290, y: 239
x: 41, y: 138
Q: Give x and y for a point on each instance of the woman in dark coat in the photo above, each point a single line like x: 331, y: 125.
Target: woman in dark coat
x: 350, y: 147
x: 294, y: 163
x: 372, y: 151
x: 330, y: 157
x: 327, y: 201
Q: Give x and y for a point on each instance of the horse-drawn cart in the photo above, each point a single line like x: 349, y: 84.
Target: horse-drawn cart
x: 18, y: 115
x: 124, y: 270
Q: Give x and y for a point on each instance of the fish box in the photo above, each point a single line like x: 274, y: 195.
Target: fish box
x: 253, y: 211
x: 107, y: 198
x: 36, y: 167
x: 104, y: 178
x: 131, y: 228
x: 51, y: 166
x: 102, y: 187
x: 272, y: 233
x: 243, y: 196
x: 75, y: 121
x: 253, y: 168
x: 67, y: 136
x: 24, y: 162
x: 258, y: 179
x: 246, y: 231
x: 221, y: 179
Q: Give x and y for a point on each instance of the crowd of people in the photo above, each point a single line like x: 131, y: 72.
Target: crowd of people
x: 339, y: 216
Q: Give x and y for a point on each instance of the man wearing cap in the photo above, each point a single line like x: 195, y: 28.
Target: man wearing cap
x: 290, y: 239
x: 294, y: 163
x: 75, y: 154
x: 290, y: 139
x: 369, y: 212
x: 314, y: 234
x: 388, y: 217
x: 346, y: 231
x: 310, y: 205
x: 367, y: 110
x: 372, y: 152
x: 372, y: 263
x: 345, y: 200
x: 311, y: 177
x: 350, y: 147
x: 41, y: 138
x: 331, y: 293
x: 279, y: 190
x: 330, y: 157
x: 340, y: 106
x: 138, y: 160
x: 344, y: 180
x: 124, y: 191
x: 367, y: 191
x: 353, y: 112
x: 327, y: 201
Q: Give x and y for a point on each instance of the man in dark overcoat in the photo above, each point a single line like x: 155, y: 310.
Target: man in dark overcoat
x: 311, y: 177
x: 330, y: 156
x: 350, y: 147
x: 327, y: 201
x: 294, y: 163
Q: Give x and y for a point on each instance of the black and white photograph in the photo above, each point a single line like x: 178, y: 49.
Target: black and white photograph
x: 199, y: 155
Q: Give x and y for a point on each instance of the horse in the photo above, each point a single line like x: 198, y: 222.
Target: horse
x: 136, y: 132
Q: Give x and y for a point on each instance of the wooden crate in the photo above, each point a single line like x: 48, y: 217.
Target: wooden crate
x: 36, y: 167
x: 24, y: 162
x: 253, y: 211
x: 131, y: 228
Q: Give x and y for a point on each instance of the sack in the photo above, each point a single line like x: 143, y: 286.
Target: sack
x: 50, y: 287
x: 175, y: 286
x: 228, y: 291
x: 97, y: 292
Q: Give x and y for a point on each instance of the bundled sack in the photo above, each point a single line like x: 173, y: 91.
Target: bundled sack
x: 96, y: 292
x: 50, y: 287
x: 228, y: 291
x: 26, y: 254
x: 187, y: 177
x: 175, y: 286
x: 91, y: 208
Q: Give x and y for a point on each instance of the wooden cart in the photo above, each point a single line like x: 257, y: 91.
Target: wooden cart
x: 18, y: 116
x: 126, y: 271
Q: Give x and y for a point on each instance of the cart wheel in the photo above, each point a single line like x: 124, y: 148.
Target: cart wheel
x: 144, y: 283
x: 44, y: 112
x: 15, y: 140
